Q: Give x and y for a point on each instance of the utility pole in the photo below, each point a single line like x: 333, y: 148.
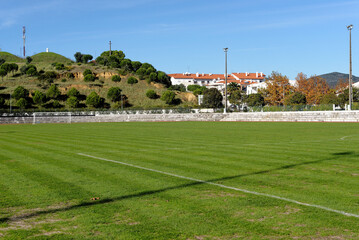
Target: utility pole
x: 110, y: 47
x: 225, y: 77
x: 350, y: 27
x: 24, y: 38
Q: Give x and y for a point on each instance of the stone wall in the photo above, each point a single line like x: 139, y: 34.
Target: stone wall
x: 317, y: 116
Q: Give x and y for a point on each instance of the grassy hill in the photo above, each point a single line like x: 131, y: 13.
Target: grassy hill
x: 11, y: 57
x: 135, y: 94
x: 49, y: 57
x: 334, y: 77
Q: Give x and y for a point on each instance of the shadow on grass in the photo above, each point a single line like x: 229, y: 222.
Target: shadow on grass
x: 146, y: 193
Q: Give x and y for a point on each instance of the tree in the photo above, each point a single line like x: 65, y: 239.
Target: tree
x: 20, y: 92
x: 94, y: 100
x: 126, y: 64
x: 236, y: 97
x: 255, y: 100
x: 132, y: 80
x: 53, y: 92
x: 114, y: 94
x: 212, y: 98
x: 277, y: 87
x: 86, y: 58
x: 73, y: 102
x: 78, y: 57
x: 14, y: 68
x: 22, y: 103
x: 151, y: 94
x: 314, y: 88
x: 28, y: 60
x: 296, y: 98
x: 3, y: 73
x: 73, y: 92
x: 116, y: 78
x: 39, y: 98
x: 136, y: 65
x: 6, y: 67
x: 232, y: 87
x: 2, y: 61
x: 163, y: 78
x: 141, y: 72
x: 153, y: 77
x: 31, y: 72
x: 180, y: 87
x: 169, y: 97
x: 330, y: 98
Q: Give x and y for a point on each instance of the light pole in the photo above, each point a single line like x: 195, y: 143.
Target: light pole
x: 350, y: 27
x: 225, y: 77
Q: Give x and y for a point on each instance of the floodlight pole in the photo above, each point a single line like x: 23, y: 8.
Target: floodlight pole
x: 350, y: 27
x: 225, y: 77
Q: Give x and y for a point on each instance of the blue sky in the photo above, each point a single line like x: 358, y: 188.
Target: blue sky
x: 288, y: 36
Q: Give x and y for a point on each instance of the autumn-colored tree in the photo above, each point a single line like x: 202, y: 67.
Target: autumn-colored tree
x: 342, y: 84
x: 314, y: 88
x: 277, y: 88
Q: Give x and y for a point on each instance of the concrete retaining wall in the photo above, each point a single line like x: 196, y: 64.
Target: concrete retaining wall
x: 317, y: 116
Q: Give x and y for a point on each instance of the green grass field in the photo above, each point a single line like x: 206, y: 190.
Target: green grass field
x: 46, y: 187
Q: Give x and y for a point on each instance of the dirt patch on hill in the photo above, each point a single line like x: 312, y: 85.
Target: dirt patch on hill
x: 187, y: 97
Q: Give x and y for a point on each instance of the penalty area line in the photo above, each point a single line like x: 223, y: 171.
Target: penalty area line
x: 226, y: 187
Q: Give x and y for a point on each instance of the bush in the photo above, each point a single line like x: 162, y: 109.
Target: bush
x: 114, y: 94
x: 22, y: 103
x: 70, y: 75
x: 20, y: 92
x: 151, y: 94
x: 39, y: 98
x: 73, y: 92
x: 73, y: 102
x: 94, y: 100
x: 48, y: 76
x: 89, y: 78
x: 56, y: 104
x: 87, y: 72
x: 168, y: 97
x: 2, y: 102
x: 59, y: 66
x: 212, y: 98
x: 179, y: 87
x: 153, y: 77
x: 63, y: 80
x: 53, y: 92
x: 296, y: 98
x: 132, y: 80
x: 116, y: 78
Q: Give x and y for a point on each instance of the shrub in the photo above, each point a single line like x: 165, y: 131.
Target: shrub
x: 179, y: 87
x: 73, y: 92
x: 151, y: 94
x: 87, y: 72
x: 53, y: 92
x: 116, y: 78
x: 168, y: 97
x: 94, y: 100
x: 2, y: 102
x: 73, y: 102
x: 22, y: 103
x: 132, y: 80
x: 89, y: 78
x: 20, y: 92
x: 153, y: 77
x: 70, y: 75
x: 48, y: 76
x: 31, y: 71
x: 255, y: 100
x: 114, y: 94
x: 56, y: 104
x: 39, y: 98
x: 59, y: 66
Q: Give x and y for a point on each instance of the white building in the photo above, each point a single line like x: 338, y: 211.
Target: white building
x: 216, y: 80
x: 254, y: 88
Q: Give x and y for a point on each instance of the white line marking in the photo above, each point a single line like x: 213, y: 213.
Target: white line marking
x: 344, y: 137
x: 227, y: 187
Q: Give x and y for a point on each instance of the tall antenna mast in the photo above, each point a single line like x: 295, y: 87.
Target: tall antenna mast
x: 110, y: 48
x: 24, y: 38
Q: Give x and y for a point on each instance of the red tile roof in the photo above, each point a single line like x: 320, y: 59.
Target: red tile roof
x: 260, y: 76
x: 233, y: 76
x: 201, y: 76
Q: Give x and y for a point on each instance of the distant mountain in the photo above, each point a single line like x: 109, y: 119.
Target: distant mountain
x: 334, y: 77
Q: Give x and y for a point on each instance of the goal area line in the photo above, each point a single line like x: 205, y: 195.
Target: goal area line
x: 226, y: 187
